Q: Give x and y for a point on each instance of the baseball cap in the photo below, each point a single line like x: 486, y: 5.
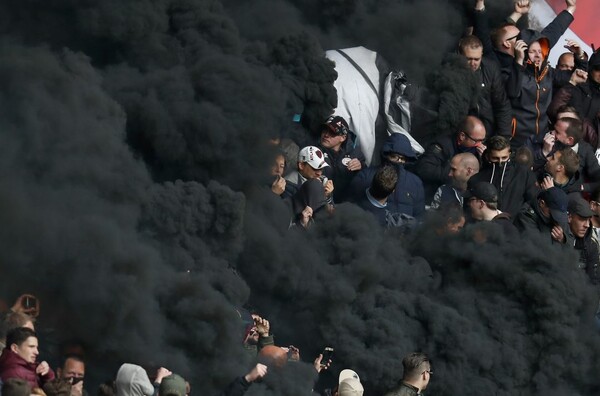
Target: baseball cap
x: 557, y: 201
x: 347, y: 373
x: 350, y: 387
x: 313, y: 156
x: 173, y: 385
x: 337, y: 125
x: 485, y: 191
x: 579, y: 206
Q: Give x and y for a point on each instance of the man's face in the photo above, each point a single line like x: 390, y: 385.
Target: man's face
x: 535, y: 53
x: 473, y: 139
x: 566, y: 62
x: 395, y: 158
x: 553, y: 164
x: 427, y: 378
x: 476, y: 206
x: 28, y: 349
x: 560, y: 133
x: 595, y: 74
x: 473, y: 56
x: 278, y: 166
x: 459, y: 174
x: 308, y: 171
x: 499, y: 156
x: 454, y: 228
x: 579, y: 225
x: 510, y: 35
x: 331, y: 140
x: 73, y: 369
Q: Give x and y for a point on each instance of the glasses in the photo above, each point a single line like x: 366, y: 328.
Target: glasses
x: 513, y: 37
x: 427, y: 371
x: 473, y: 139
x: 396, y: 158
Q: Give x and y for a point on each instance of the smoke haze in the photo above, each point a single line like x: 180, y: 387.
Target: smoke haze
x: 131, y: 203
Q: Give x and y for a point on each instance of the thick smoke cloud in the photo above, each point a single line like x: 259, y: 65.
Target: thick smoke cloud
x: 131, y: 150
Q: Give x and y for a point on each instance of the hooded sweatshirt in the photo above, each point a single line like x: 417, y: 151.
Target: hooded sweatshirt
x: 515, y: 184
x: 529, y: 89
x: 132, y: 380
x: 408, y: 197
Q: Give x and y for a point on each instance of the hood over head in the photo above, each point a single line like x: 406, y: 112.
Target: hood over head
x: 311, y: 193
x: 132, y: 380
x: 398, y: 143
x: 529, y: 36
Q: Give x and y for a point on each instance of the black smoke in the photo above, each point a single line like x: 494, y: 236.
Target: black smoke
x: 132, y: 146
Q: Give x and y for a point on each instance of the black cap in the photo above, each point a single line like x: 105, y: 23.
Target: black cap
x: 579, y: 206
x: 485, y: 191
x: 337, y: 125
x: 558, y: 202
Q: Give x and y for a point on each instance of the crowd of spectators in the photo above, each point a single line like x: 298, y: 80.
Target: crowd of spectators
x: 525, y: 156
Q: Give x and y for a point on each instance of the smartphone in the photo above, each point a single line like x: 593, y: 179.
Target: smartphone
x: 327, y: 355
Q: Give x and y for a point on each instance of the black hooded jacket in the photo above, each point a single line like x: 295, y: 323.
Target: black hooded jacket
x: 529, y: 89
x: 481, y: 29
x: 515, y: 184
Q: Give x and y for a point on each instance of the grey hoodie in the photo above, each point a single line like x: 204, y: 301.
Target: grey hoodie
x: 132, y: 380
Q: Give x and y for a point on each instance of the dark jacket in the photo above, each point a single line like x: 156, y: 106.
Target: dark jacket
x: 434, y: 165
x: 337, y: 169
x: 237, y: 387
x: 589, y: 169
x: 505, y: 221
x: 481, y: 29
x: 586, y: 99
x: 515, y: 184
x: 493, y: 106
x: 531, y: 220
x: 404, y: 390
x: 409, y: 196
x: 588, y: 256
x: 14, y: 366
x: 529, y: 89
x: 379, y: 212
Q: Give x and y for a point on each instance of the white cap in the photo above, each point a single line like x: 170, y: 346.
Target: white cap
x: 313, y: 156
x: 347, y: 373
x: 350, y: 387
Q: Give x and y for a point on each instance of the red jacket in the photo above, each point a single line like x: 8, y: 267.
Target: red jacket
x: 14, y: 366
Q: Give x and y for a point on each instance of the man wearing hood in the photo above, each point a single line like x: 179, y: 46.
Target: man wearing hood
x: 499, y: 45
x: 344, y: 158
x: 515, y: 182
x: 583, y: 93
x: 530, y: 84
x: 132, y: 380
x: 434, y: 165
x: 408, y: 197
x: 548, y: 216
